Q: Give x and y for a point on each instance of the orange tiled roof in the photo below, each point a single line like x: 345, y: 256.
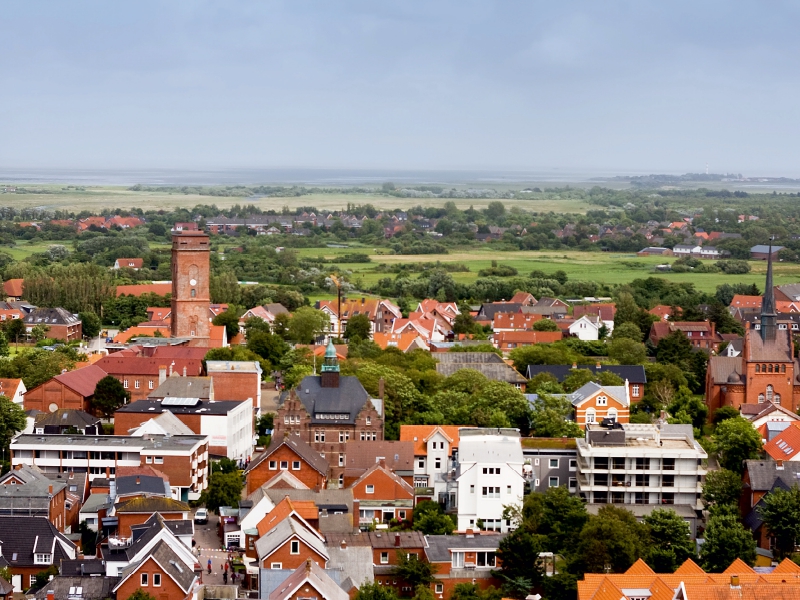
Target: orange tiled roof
x: 402, y: 341
x: 13, y: 287
x: 689, y: 567
x: 132, y: 332
x: 419, y: 433
x: 138, y: 289
x: 785, y: 445
x: 305, y: 509
x: 640, y: 568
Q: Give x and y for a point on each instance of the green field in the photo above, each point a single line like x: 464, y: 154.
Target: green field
x: 96, y: 199
x: 611, y: 268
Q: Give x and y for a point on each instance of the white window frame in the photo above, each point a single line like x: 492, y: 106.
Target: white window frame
x: 553, y: 460
x: 439, y: 588
x: 550, y: 481
x: 143, y: 580
x: 384, y: 558
x: 292, y: 545
x: 273, y: 465
x: 156, y: 579
x: 148, y: 460
x: 295, y: 468
x: 635, y: 390
x: 601, y: 401
x: 42, y: 558
x: 136, y: 384
x: 159, y: 460
x: 370, y: 489
x: 457, y: 560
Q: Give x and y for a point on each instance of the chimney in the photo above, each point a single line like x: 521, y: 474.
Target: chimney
x: 138, y: 481
x: 184, y: 371
x: 162, y: 374
x: 51, y: 595
x: 50, y: 489
x: 172, y: 364
x: 734, y: 581
x: 381, y: 386
x: 308, y: 565
x: 382, y: 463
x: 574, y: 365
x: 779, y: 465
x: 343, y: 545
x: 397, y: 539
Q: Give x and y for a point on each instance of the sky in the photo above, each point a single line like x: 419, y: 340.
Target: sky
x: 607, y: 87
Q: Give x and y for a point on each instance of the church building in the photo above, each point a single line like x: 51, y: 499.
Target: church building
x: 765, y: 371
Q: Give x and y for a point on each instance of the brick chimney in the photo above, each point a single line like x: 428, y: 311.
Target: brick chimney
x: 343, y: 545
x: 397, y: 539
x: 50, y: 489
x: 51, y: 595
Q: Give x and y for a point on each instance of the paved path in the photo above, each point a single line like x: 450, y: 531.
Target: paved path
x: 210, y: 546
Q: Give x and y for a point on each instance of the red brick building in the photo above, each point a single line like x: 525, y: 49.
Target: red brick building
x: 141, y: 375
x: 467, y: 558
x: 309, y: 581
x: 765, y: 371
x: 702, y: 334
x: 327, y: 410
x: 190, y: 291
x: 162, y: 574
x: 382, y: 496
x: 61, y: 324
x: 138, y: 510
x: 287, y: 453
x: 73, y: 389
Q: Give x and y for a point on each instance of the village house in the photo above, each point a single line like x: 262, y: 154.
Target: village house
x: 382, y: 496
x: 290, y: 454
x: 60, y: 323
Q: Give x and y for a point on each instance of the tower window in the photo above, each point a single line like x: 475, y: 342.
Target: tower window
x: 194, y: 292
x: 783, y: 368
x: 758, y: 368
x: 770, y: 393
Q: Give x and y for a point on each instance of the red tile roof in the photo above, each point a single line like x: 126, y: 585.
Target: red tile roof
x: 419, y: 433
x: 785, y: 445
x: 606, y: 311
x: 526, y: 337
x: 82, y: 381
x: 13, y: 287
x: 142, y: 365
x: 137, y: 290
x: 133, y: 263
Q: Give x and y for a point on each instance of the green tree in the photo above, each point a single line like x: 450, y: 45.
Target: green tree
x: 611, y: 540
x: 423, y: 592
x: 726, y: 539
x: 470, y: 591
x: 545, y: 383
x: 39, y: 332
x: 551, y: 417
x: 109, y: 395
x: 464, y: 323
x: 723, y: 413
x: 429, y: 518
x: 670, y: 540
x: 266, y: 422
x: 736, y: 440
x: 375, y: 591
x: 562, y: 519
x: 520, y: 569
x: 781, y: 513
x: 626, y: 351
x: 545, y: 325
x: 140, y: 594
x: 4, y: 349
x: 414, y: 570
x: 359, y: 327
x: 230, y: 320
x: 541, y: 354
x: 686, y: 408
x: 722, y: 487
x: 627, y: 330
x: 90, y: 324
x: 14, y: 329
x: 12, y: 420
x: 224, y: 489
x: 307, y: 324
x: 674, y: 349
x: 224, y: 288
x: 269, y: 346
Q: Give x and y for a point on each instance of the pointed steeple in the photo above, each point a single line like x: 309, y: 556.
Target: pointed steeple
x: 330, y: 368
x: 769, y: 318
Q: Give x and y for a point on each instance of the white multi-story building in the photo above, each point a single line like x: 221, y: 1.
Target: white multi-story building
x: 488, y: 478
x: 641, y: 464
x: 435, y: 456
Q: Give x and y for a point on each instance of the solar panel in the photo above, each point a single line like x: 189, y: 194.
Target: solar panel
x: 175, y: 401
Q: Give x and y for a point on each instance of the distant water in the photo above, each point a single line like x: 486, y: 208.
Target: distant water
x: 308, y: 177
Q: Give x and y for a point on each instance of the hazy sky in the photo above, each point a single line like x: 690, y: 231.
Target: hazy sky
x: 597, y: 85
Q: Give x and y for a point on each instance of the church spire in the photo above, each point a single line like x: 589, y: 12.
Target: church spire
x: 769, y: 317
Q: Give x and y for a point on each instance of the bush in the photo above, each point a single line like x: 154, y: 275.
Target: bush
x: 734, y: 267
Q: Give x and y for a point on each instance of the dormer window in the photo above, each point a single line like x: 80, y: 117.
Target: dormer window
x: 41, y: 559
x: 602, y: 401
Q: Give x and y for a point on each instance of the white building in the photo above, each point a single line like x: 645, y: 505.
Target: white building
x: 435, y: 455
x: 587, y: 328
x: 488, y: 478
x: 13, y: 389
x: 633, y: 463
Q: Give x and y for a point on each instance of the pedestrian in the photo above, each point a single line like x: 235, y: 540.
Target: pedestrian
x: 209, y: 566
x: 225, y: 577
x: 226, y: 568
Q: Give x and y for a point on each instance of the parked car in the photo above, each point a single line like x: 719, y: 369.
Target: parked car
x: 201, y: 516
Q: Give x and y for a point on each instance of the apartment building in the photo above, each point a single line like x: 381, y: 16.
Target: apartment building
x: 488, y: 478
x: 550, y: 462
x: 641, y: 464
x: 435, y: 454
x: 183, y: 458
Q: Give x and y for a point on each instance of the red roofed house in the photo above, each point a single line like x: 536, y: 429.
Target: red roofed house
x: 13, y: 389
x: 435, y: 449
x: 768, y: 418
x: 742, y: 301
x: 702, y: 334
x: 786, y: 445
x: 514, y: 321
x: 73, y: 389
x: 508, y: 340
x: 309, y: 581
x: 410, y: 340
x: 13, y: 289
x: 141, y: 331
x: 140, y: 375
x: 139, y: 289
x: 605, y: 311
x: 662, y: 311
x: 382, y: 496
x: 523, y: 298
x: 123, y: 222
x: 128, y: 263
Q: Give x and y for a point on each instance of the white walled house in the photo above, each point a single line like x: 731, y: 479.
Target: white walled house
x: 435, y: 453
x: 489, y: 477
x: 587, y: 328
x: 13, y: 389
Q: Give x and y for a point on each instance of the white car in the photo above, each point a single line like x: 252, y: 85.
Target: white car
x: 201, y: 516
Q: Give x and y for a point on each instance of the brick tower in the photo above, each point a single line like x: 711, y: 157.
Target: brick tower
x: 190, y: 295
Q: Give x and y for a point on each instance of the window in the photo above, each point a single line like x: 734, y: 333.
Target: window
x: 369, y: 421
x: 667, y: 498
x: 601, y: 462
x: 590, y: 415
x: 32, y: 580
x: 421, y: 463
x: 573, y: 464
x: 157, y: 579
x: 758, y: 368
x: 136, y: 384
x: 490, y: 492
x: 669, y: 464
x: 600, y: 479
x: 668, y: 481
x: 401, y: 514
x: 457, y: 560
x: 41, y: 559
x: 777, y: 399
x: 553, y: 463
x: 284, y: 465
x: 600, y: 497
x: 384, y: 558
x: 642, y: 480
x: 573, y: 483
x: 341, y: 437
x: 295, y: 547
x: 194, y: 293
x: 491, y: 470
x: 319, y: 436
x: 370, y: 489
x: 143, y: 579
x: 783, y: 368
x: 612, y: 413
x: 770, y: 392
x: 439, y: 588
x: 472, y: 489
x: 485, y: 559
x: 148, y: 460
x: 285, y: 420
x: 438, y: 464
x: 635, y: 391
x: 761, y: 398
x: 125, y: 383
x: 641, y: 464
x: 275, y: 565
x: 553, y: 482
x: 602, y: 401
x: 341, y: 460
x: 295, y: 465
x: 150, y: 384
x: 341, y: 481
x: 159, y: 460
x: 618, y: 462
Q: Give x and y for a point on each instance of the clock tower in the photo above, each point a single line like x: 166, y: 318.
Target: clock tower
x: 190, y: 295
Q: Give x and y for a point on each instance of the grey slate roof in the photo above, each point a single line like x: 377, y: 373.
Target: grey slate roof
x: 299, y: 447
x: 30, y: 499
x: 281, y: 533
x: 92, y: 588
x: 142, y: 484
x: 79, y: 568
x: 51, y: 316
x: 490, y: 309
x: 764, y: 248
x: 355, y: 562
x: 347, y: 399
x: 633, y: 373
x: 19, y: 534
x: 311, y: 574
x: 492, y: 371
x: 469, y: 357
x: 439, y: 546
x: 170, y: 563
x: 763, y: 474
x: 619, y: 392
x: 153, y: 407
x: 66, y: 417
x: 184, y: 387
